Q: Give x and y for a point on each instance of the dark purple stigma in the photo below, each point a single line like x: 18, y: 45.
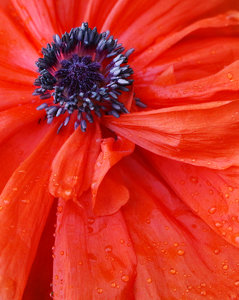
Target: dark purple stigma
x: 86, y: 72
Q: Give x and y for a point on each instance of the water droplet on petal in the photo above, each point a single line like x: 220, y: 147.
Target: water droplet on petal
x: 99, y: 291
x: 194, y: 179
x: 149, y: 280
x: 212, y: 210
x: 113, y: 284
x: 218, y: 224
x: 236, y: 283
x: 125, y: 278
x: 108, y: 249
x: 91, y: 220
x: 172, y: 271
x: 180, y: 252
x: 92, y: 257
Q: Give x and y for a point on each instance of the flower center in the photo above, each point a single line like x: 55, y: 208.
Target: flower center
x: 87, y: 72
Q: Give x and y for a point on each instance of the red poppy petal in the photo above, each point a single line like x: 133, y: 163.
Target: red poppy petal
x: 202, y: 134
x: 196, y: 57
x: 223, y: 20
x: 179, y: 256
x: 16, y: 50
x: 93, y: 11
x: 95, y: 250
x: 12, y: 94
x: 149, y: 20
x: 39, y: 283
x: 72, y: 168
x: 108, y: 194
x: 25, y: 203
x: 16, y: 149
x: 221, y: 86
x: 14, y: 119
x: 213, y: 195
x: 39, y: 18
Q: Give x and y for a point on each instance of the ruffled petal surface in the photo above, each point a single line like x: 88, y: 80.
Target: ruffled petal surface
x: 24, y: 206
x: 151, y: 53
x: 107, y: 191
x: 93, y: 256
x: 73, y: 166
x: 222, y: 86
x: 179, y: 256
x: 211, y: 194
x: 203, y: 134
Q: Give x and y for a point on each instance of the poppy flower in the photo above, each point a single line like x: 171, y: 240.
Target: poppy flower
x: 146, y: 191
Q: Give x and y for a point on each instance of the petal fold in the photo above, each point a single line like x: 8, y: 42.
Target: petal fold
x: 179, y: 256
x: 108, y: 193
x: 24, y: 206
x: 72, y: 168
x: 203, y: 134
x: 93, y: 256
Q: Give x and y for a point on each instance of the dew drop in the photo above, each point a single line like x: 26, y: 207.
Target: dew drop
x: 148, y: 221
x: 91, y: 220
x: 80, y: 263
x: 108, y: 249
x: 125, y: 278
x: 230, y: 188
x: 99, y: 291
x: 218, y: 224
x: 203, y: 293
x: 149, y: 280
x: 180, y: 252
x: 122, y: 241
x: 14, y: 189
x: 172, y: 271
x: 236, y: 283
x: 92, y: 257
x: 226, y: 195
x: 212, y: 210
x: 113, y: 284
x: 194, y: 179
x: 67, y: 192
x: 225, y: 267
x: 175, y: 244
x: 229, y: 75
x: 62, y: 253
x: 217, y: 251
x: 0, y: 208
x: 6, y: 201
x: 59, y: 209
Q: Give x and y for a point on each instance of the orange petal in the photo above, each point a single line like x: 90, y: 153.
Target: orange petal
x: 12, y: 120
x: 148, y: 20
x: 108, y: 194
x: 72, y: 168
x: 220, y: 86
x: 202, y: 134
x: 179, y: 256
x: 17, y: 148
x: 213, y: 195
x: 17, y: 52
x: 12, y: 94
x: 151, y: 53
x: 196, y: 57
x: 24, y: 205
x: 39, y: 18
x: 95, y: 250
x: 39, y: 281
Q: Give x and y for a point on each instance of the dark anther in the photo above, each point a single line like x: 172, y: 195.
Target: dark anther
x: 84, y: 72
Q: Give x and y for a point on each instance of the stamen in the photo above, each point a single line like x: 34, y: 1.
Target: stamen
x: 85, y: 72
